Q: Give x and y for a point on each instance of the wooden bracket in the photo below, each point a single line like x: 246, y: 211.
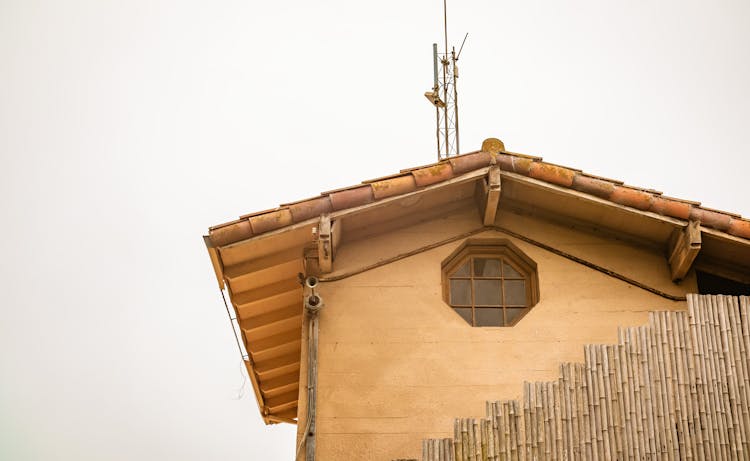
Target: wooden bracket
x: 329, y: 238
x: 325, y: 251
x: 493, y: 196
x: 684, y: 246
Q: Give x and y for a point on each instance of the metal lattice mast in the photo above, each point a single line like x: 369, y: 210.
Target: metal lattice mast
x: 444, y: 96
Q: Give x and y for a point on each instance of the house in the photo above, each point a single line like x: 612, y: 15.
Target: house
x: 573, y: 311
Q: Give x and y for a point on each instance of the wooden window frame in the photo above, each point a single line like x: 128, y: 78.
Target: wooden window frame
x: 492, y: 248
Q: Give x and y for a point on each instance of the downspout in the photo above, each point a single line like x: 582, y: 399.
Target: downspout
x: 313, y: 303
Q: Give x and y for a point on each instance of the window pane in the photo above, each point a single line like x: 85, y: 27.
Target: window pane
x: 509, y: 272
x: 489, y: 317
x: 460, y: 292
x: 515, y: 292
x: 462, y: 271
x: 486, y: 267
x: 464, y: 312
x: 511, y: 314
x: 487, y: 293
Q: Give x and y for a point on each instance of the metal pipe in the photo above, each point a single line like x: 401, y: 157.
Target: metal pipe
x: 434, y: 66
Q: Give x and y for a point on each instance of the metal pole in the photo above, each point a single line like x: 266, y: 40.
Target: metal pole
x: 455, y: 95
x: 435, y: 88
x: 445, y: 107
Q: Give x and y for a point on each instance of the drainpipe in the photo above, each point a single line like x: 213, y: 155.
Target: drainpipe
x: 313, y: 304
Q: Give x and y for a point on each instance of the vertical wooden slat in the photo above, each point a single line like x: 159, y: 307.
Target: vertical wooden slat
x: 677, y: 388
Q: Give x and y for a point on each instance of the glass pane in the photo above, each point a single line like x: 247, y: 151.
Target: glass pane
x: 489, y: 317
x: 487, y: 293
x: 486, y: 267
x: 464, y: 312
x: 511, y: 314
x: 515, y: 292
x: 462, y: 271
x: 509, y: 272
x: 460, y: 292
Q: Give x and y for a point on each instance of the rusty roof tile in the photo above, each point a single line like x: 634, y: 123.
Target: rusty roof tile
x: 563, y: 166
x: 433, y: 174
x: 643, y: 189
x: 228, y: 223
x: 728, y: 213
x: 409, y: 170
x: 552, y: 173
x: 671, y: 208
x: 310, y: 208
x: 593, y: 186
x: 469, y: 162
x: 603, y: 178
x: 385, y: 178
x: 257, y: 213
x: 395, y: 186
x: 710, y: 218
x: 631, y: 197
x: 689, y: 202
x: 739, y: 228
x: 236, y: 231
x: 273, y: 220
x: 530, y: 157
x: 521, y: 165
x: 351, y: 197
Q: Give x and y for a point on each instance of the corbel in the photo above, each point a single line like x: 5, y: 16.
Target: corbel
x: 328, y: 240
x: 492, y: 195
x: 684, y: 246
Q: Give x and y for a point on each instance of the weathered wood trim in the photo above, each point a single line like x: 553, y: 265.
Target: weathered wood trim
x: 493, y: 196
x: 468, y: 177
x: 507, y: 175
x: 215, y: 261
x: 337, y: 228
x: 684, y: 246
x: 325, y: 245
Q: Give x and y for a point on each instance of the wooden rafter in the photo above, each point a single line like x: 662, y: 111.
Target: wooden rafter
x: 684, y: 246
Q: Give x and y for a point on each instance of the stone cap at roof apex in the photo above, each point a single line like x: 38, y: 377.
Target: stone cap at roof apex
x: 493, y: 146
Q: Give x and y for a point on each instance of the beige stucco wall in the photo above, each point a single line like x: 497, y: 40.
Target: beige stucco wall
x: 396, y: 364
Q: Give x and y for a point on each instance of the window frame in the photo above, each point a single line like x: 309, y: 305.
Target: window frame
x: 491, y: 248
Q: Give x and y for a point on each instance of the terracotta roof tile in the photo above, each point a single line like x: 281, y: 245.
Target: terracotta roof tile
x: 310, y: 208
x: 394, y: 186
x: 631, y: 197
x: 671, y: 208
x: 411, y: 179
x: 352, y: 197
x: 273, y: 220
x: 552, y: 174
x: 711, y: 218
x: 740, y: 228
x: 469, y: 162
x: 593, y: 186
x: 603, y: 178
x: 433, y: 174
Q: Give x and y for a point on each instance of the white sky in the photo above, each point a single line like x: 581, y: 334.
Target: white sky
x: 127, y: 128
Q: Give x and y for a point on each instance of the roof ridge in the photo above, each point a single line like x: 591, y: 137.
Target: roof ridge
x: 411, y: 179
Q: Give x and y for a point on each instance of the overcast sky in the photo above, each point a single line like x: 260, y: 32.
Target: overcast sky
x: 127, y: 128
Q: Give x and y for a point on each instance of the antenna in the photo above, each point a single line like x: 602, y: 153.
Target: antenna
x: 444, y: 94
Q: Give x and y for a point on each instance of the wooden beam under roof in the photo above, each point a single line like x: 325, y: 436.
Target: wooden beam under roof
x: 684, y: 246
x: 325, y: 245
x: 493, y: 196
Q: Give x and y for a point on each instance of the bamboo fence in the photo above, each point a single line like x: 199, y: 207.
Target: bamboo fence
x: 676, y: 389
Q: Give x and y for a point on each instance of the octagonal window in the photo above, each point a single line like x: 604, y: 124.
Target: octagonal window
x: 490, y: 282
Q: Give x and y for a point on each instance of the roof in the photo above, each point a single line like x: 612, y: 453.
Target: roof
x: 258, y: 257
x: 412, y: 179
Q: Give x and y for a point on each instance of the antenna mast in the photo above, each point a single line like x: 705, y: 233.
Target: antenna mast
x: 444, y: 94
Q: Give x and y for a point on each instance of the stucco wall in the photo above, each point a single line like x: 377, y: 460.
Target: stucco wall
x: 396, y: 364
